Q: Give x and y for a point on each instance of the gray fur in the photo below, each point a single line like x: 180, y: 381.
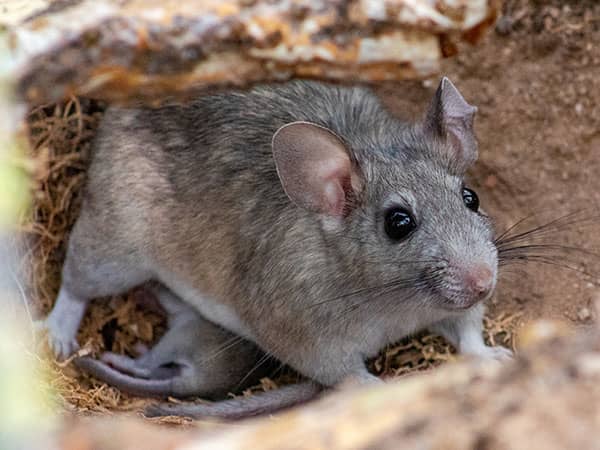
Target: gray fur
x: 190, y: 196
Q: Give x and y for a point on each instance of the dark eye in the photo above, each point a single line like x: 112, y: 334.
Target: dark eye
x: 399, y: 223
x: 470, y: 198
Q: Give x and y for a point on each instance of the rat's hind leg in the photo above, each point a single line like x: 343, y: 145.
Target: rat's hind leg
x: 194, y: 357
x: 95, y: 266
x: 63, y: 322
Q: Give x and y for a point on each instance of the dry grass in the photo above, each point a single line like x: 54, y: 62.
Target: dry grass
x: 60, y: 138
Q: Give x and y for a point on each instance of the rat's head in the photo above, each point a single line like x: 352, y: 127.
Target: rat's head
x: 394, y: 204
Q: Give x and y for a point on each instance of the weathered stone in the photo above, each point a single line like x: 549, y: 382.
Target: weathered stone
x: 133, y: 49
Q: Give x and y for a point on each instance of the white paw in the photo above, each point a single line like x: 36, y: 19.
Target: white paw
x: 61, y: 343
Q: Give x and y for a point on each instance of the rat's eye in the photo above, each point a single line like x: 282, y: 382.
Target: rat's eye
x: 470, y: 198
x: 399, y: 223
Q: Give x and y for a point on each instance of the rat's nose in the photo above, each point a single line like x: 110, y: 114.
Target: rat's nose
x: 479, y: 280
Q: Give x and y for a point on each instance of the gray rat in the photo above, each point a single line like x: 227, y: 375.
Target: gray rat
x: 302, y: 217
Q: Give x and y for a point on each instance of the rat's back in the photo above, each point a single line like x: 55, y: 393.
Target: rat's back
x: 192, y: 190
x: 224, y: 140
x: 177, y: 167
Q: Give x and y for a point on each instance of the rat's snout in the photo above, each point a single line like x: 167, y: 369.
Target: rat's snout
x: 479, y: 280
x: 465, y: 284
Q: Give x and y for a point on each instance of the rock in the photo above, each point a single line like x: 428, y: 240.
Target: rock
x: 584, y: 314
x: 548, y: 397
x: 542, y: 331
x: 130, y: 49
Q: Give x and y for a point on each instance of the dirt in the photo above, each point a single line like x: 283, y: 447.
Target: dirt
x: 536, y: 82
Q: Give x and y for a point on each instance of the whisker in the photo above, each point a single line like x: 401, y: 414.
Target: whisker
x: 544, y: 259
x: 513, y: 226
x: 529, y: 246
x: 231, y: 342
x: 534, y: 253
x: 260, y: 362
x: 404, y: 281
x: 562, y: 222
x: 503, y: 251
x: 387, y: 289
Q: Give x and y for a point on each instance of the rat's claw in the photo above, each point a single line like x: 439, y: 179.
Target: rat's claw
x: 62, y: 348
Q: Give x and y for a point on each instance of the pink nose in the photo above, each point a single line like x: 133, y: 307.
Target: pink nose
x: 479, y: 280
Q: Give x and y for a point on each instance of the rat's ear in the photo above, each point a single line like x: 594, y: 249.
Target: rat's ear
x: 450, y: 117
x: 314, y: 168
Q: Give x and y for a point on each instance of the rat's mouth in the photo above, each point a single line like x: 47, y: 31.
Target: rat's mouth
x: 456, y: 300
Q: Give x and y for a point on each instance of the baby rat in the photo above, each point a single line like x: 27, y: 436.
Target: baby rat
x: 196, y: 358
x: 302, y: 217
x: 193, y: 358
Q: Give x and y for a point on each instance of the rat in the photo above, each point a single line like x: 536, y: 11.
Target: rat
x: 196, y: 358
x: 302, y: 217
x: 193, y: 358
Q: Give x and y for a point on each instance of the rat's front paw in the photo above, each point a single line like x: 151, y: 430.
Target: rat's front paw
x: 62, y: 343
x: 63, y: 348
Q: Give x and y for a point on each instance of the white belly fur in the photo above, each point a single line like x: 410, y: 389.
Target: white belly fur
x: 208, y: 307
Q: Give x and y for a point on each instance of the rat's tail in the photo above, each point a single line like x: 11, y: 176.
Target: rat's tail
x: 238, y: 408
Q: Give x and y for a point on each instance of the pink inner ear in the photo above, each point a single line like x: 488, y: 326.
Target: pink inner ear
x: 314, y: 168
x: 333, y: 175
x: 451, y: 118
x: 334, y: 198
x: 456, y: 145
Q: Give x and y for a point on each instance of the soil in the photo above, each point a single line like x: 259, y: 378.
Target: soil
x: 536, y: 82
